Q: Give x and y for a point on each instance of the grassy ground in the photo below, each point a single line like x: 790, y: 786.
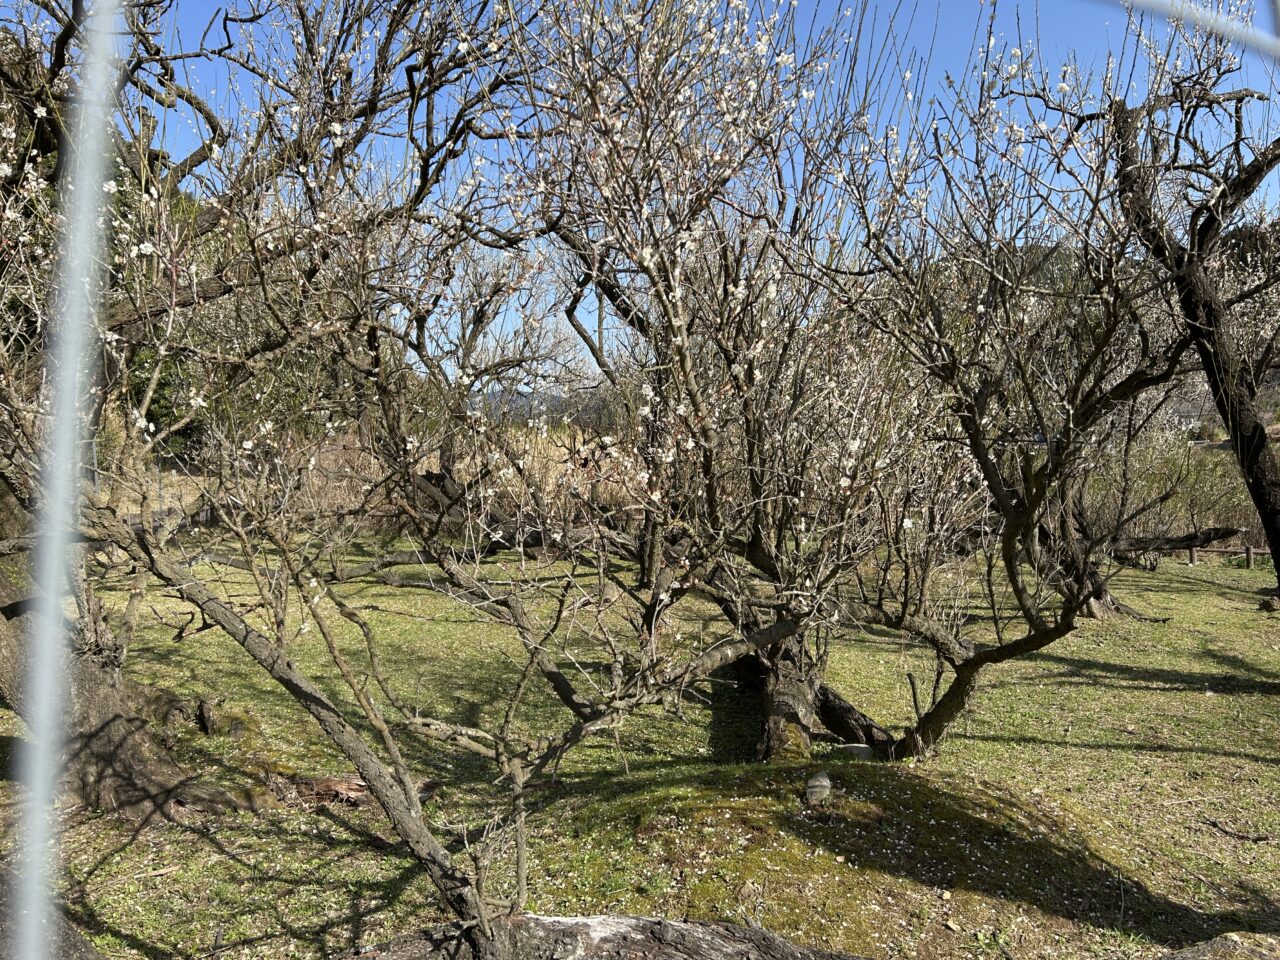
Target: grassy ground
x: 1093, y: 804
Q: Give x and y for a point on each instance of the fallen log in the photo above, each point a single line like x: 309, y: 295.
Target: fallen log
x: 534, y: 937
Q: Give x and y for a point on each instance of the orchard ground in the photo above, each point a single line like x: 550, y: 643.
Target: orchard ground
x: 1109, y: 797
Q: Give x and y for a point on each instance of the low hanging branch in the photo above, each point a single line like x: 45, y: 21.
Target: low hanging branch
x: 1128, y: 549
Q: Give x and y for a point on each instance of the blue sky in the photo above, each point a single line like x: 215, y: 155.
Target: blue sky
x: 1089, y: 26
x: 942, y: 29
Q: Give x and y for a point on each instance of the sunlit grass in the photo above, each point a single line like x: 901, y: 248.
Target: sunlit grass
x: 1067, y: 815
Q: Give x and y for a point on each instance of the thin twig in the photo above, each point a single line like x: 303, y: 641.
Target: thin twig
x: 1236, y: 834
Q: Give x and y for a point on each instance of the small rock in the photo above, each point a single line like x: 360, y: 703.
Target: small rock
x: 951, y: 925
x: 818, y: 789
x: 946, y: 894
x: 854, y: 751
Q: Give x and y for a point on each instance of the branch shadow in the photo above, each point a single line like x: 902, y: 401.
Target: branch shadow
x: 1127, y: 746
x: 241, y: 844
x: 885, y: 818
x: 1098, y: 672
x: 275, y: 924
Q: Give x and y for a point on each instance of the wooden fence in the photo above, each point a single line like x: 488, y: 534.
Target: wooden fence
x: 1249, y: 553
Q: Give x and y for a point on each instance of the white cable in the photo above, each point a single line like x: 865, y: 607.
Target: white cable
x: 79, y: 274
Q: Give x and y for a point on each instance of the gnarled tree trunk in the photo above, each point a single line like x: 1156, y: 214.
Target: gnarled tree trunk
x: 1235, y: 395
x: 849, y: 724
x: 784, y: 681
x: 793, y: 672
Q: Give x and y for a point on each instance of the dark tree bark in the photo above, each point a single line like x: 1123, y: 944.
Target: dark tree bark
x: 793, y: 675
x: 933, y: 724
x: 1143, y: 552
x: 531, y: 937
x: 1235, y: 396
x: 1061, y: 551
x: 849, y: 724
x: 784, y: 682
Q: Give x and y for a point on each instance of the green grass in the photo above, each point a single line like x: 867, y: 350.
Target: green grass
x: 1066, y: 816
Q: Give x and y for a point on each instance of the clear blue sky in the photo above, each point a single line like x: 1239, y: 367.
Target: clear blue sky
x: 1089, y: 27
x: 943, y: 29
x: 1057, y: 27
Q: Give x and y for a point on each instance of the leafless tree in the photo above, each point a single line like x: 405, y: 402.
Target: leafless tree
x: 597, y: 318
x: 675, y: 165
x: 1182, y: 164
x: 1007, y: 277
x: 318, y: 316
x: 218, y: 253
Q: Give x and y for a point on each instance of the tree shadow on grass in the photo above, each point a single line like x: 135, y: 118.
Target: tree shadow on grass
x: 887, y: 819
x: 343, y: 929
x: 351, y: 899
x: 1239, y: 664
x: 882, y: 818
x: 736, y: 716
x: 997, y: 844
x: 1129, y: 746
x: 9, y: 747
x: 1098, y: 672
x: 1157, y: 587
x: 287, y: 872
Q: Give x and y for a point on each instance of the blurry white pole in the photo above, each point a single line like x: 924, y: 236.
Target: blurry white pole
x: 1242, y: 33
x: 90, y: 143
